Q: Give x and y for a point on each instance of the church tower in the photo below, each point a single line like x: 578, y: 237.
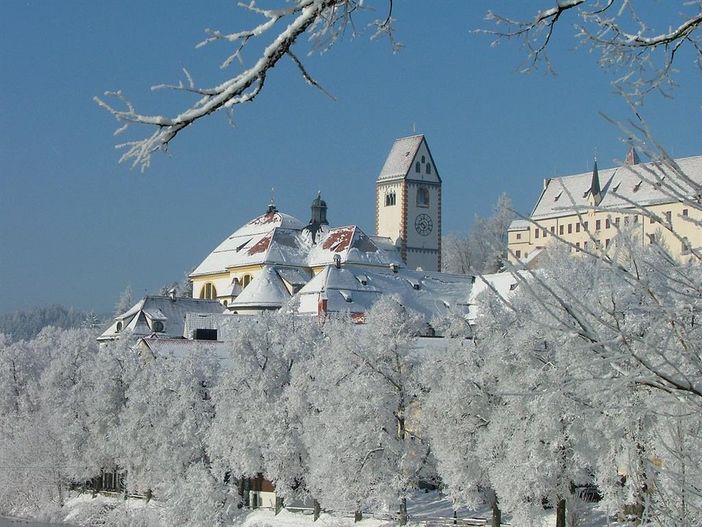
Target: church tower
x: 408, y: 203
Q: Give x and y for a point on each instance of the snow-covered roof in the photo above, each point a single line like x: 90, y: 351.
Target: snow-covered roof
x: 402, y: 153
x: 266, y: 291
x: 519, y: 225
x: 226, y: 324
x: 158, y: 314
x: 281, y: 240
x: 276, y: 245
x: 629, y: 182
x: 353, y: 246
x: 355, y: 289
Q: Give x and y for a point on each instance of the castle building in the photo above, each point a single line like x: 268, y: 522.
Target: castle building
x: 408, y: 203
x: 588, y: 210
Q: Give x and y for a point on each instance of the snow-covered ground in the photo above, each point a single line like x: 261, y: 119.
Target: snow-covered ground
x: 429, y: 509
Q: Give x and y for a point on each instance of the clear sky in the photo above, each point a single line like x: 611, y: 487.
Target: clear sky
x: 76, y: 227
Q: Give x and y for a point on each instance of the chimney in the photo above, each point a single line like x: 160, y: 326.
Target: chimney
x: 172, y: 294
x: 337, y: 261
x: 394, y: 267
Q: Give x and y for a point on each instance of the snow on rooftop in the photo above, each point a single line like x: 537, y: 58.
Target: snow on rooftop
x: 355, y: 290
x: 266, y: 290
x: 353, y: 246
x: 629, y: 182
x: 401, y: 155
x: 140, y: 319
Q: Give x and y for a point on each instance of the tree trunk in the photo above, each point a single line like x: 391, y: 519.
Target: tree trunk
x: 316, y: 510
x: 357, y: 516
x: 278, y: 505
x: 403, y: 511
x: 561, y: 512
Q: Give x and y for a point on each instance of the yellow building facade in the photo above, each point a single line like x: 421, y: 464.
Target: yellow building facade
x: 589, y: 210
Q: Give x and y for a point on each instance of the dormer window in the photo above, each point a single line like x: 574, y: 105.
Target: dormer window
x: 246, y: 280
x: 422, y: 197
x: 157, y: 326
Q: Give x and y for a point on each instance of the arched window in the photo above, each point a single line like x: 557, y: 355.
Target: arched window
x: 428, y: 168
x: 417, y: 167
x: 390, y: 198
x: 119, y: 327
x: 422, y: 197
x: 208, y: 292
x: 246, y: 280
x: 423, y: 159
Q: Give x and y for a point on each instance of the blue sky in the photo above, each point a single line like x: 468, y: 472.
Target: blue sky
x: 76, y: 227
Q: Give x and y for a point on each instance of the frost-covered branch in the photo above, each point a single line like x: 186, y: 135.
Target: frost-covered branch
x: 623, y: 37
x: 323, y: 20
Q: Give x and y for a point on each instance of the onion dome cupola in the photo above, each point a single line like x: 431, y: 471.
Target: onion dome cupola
x: 319, y: 217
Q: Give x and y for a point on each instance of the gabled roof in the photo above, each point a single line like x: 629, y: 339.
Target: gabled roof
x: 629, y: 182
x: 140, y: 319
x: 352, y: 245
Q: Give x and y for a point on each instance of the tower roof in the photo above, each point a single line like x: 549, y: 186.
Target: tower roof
x: 399, y: 160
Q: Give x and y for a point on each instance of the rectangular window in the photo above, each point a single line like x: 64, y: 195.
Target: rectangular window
x: 684, y: 212
x: 560, y: 230
x: 626, y: 220
x: 518, y: 254
x: 607, y: 242
x: 608, y: 223
x: 543, y: 233
x: 668, y: 217
x: 570, y: 228
x: 577, y: 246
x: 651, y: 220
x: 553, y: 229
x: 577, y: 227
x: 585, y: 225
x: 636, y: 218
x: 536, y: 233
x: 598, y: 225
x: 685, y: 246
x: 616, y: 221
x: 519, y: 235
x: 651, y: 238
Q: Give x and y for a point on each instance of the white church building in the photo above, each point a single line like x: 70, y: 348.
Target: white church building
x: 276, y: 261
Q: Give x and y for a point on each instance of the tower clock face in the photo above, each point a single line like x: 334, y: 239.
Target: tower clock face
x: 423, y: 225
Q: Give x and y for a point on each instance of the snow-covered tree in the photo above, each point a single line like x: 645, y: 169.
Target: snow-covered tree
x: 255, y: 430
x: 125, y: 301
x: 364, y: 436
x: 484, y: 249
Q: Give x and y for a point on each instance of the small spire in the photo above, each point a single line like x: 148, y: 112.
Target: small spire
x: 271, y: 206
x: 595, y: 188
x: 632, y: 156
